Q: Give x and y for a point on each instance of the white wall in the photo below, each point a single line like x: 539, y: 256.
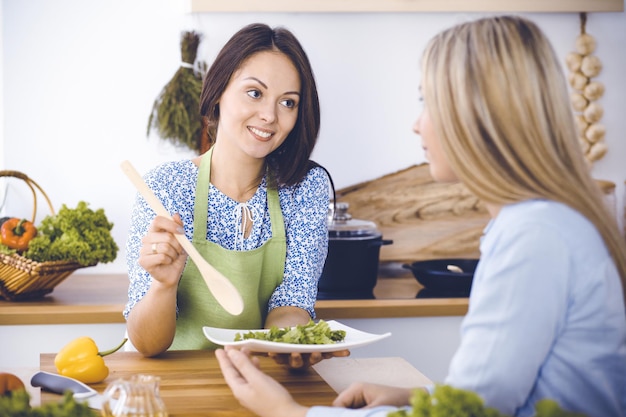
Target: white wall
x: 80, y: 78
x: 1, y: 87
x: 22, y: 345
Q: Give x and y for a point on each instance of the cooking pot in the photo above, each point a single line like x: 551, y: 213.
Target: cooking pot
x: 351, y: 268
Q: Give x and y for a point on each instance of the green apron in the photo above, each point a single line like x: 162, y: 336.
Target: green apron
x: 255, y: 273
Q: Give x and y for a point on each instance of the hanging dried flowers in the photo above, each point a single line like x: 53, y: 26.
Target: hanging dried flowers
x: 584, y: 66
x: 176, y: 111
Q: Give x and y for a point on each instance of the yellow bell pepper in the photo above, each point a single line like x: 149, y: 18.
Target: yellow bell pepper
x: 81, y: 360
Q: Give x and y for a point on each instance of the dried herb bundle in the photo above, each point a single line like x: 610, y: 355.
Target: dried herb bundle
x: 176, y: 112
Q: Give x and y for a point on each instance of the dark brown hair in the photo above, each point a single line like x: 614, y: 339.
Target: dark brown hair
x: 289, y: 162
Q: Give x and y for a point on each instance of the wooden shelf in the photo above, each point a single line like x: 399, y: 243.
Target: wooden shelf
x: 357, y: 6
x: 82, y: 299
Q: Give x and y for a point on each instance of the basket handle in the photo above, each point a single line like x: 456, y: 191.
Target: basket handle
x: 32, y: 185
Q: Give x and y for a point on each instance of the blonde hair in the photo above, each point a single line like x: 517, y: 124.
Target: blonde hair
x: 499, y: 102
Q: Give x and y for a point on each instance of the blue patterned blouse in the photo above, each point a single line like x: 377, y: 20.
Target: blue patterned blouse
x: 304, y: 207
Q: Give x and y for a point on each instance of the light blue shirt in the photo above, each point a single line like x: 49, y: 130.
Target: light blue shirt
x: 381, y: 411
x: 546, y: 318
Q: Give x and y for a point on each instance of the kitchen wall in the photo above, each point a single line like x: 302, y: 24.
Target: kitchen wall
x: 79, y: 79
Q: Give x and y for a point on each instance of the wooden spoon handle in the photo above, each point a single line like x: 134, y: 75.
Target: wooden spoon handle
x: 221, y: 287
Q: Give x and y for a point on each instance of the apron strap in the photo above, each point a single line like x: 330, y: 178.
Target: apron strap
x: 201, y: 203
x: 276, y: 217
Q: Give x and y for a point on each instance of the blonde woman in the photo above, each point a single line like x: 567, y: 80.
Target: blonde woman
x: 546, y: 315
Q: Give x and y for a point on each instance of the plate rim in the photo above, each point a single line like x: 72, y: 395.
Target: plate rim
x: 256, y: 345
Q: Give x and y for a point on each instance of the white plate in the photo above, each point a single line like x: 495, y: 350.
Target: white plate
x: 354, y: 338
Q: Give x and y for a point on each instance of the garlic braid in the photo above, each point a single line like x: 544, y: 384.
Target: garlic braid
x: 585, y: 95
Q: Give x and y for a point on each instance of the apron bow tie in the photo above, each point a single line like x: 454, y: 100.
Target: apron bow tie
x: 243, y: 213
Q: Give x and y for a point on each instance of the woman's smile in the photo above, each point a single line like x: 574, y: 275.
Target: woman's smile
x: 263, y: 135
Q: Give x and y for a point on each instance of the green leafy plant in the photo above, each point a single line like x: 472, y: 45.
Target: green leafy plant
x: 81, y: 235
x: 17, y: 404
x: 176, y: 111
x: 447, y: 401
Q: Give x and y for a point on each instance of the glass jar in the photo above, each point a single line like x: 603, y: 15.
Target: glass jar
x: 136, y: 396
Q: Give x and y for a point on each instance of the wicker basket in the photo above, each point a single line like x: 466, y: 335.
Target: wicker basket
x: 22, y: 278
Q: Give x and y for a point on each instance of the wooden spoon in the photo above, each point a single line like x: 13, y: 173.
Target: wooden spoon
x: 222, y: 289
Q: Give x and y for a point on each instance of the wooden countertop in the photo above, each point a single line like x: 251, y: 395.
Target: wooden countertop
x: 100, y: 298
x: 191, y: 382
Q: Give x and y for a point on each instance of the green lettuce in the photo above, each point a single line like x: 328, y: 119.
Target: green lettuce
x: 311, y: 333
x: 447, y: 401
x: 80, y: 235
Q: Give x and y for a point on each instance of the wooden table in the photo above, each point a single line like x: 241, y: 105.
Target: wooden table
x: 192, y: 382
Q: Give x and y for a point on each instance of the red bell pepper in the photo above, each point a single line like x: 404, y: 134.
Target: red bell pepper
x: 17, y: 233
